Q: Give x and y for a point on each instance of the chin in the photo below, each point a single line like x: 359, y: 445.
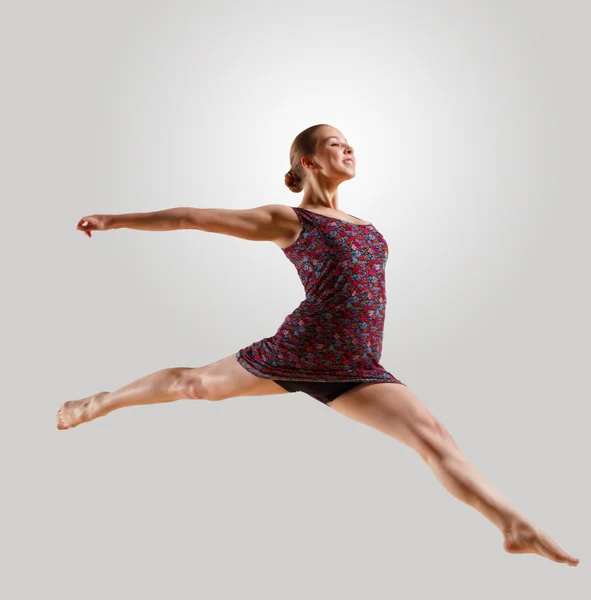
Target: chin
x: 347, y: 176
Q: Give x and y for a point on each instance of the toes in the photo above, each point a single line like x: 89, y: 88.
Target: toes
x: 59, y: 418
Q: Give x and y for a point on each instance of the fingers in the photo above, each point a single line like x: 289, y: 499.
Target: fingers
x: 93, y: 223
x: 83, y: 227
x: 90, y: 226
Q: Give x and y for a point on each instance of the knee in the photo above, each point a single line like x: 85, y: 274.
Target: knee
x: 446, y: 435
x: 190, y: 383
x: 435, y: 441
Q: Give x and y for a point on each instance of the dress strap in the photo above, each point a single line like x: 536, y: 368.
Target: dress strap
x: 303, y: 215
x: 310, y: 216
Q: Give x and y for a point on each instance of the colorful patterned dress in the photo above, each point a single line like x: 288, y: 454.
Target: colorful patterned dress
x: 336, y: 333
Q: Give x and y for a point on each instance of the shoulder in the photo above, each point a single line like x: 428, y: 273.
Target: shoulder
x: 281, y: 211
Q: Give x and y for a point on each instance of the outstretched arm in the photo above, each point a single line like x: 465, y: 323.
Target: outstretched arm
x: 264, y: 223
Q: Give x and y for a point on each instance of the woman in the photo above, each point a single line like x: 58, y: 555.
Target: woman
x: 330, y: 346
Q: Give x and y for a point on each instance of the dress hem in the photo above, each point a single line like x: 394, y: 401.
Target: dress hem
x: 258, y: 373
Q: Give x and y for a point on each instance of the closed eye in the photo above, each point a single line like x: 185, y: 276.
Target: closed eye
x: 336, y: 144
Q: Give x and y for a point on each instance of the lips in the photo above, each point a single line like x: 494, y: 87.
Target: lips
x: 349, y: 161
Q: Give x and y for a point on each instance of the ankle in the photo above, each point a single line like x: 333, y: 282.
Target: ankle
x: 99, y: 404
x: 515, y: 522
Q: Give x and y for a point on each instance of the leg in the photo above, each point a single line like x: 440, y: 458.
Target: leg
x: 216, y: 381
x: 395, y: 410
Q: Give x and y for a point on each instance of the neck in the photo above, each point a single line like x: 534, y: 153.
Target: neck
x: 325, y: 197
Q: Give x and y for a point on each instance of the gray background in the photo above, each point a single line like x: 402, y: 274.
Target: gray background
x: 471, y: 125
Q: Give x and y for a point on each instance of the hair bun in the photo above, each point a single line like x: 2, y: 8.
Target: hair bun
x: 292, y: 181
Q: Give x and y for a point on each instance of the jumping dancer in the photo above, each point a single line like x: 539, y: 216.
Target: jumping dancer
x: 330, y: 346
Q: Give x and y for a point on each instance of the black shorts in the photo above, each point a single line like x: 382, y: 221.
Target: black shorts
x: 324, y: 391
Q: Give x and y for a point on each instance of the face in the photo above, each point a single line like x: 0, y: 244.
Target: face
x: 331, y: 153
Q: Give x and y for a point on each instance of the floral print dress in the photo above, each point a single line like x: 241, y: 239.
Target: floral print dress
x: 336, y: 332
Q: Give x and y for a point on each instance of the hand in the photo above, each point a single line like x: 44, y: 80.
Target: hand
x: 94, y: 223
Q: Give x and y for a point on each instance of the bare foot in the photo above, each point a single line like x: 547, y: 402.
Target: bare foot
x: 74, y: 412
x: 524, y: 538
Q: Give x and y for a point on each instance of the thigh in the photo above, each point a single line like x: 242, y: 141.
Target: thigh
x: 226, y: 378
x: 395, y: 410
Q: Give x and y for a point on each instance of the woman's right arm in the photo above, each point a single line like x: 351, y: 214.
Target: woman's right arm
x: 264, y: 223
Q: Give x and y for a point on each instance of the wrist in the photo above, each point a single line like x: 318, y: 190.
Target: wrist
x: 111, y: 222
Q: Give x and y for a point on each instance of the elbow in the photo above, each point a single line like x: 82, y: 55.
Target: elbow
x: 189, y: 217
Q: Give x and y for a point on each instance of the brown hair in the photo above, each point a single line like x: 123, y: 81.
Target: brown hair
x: 304, y: 144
